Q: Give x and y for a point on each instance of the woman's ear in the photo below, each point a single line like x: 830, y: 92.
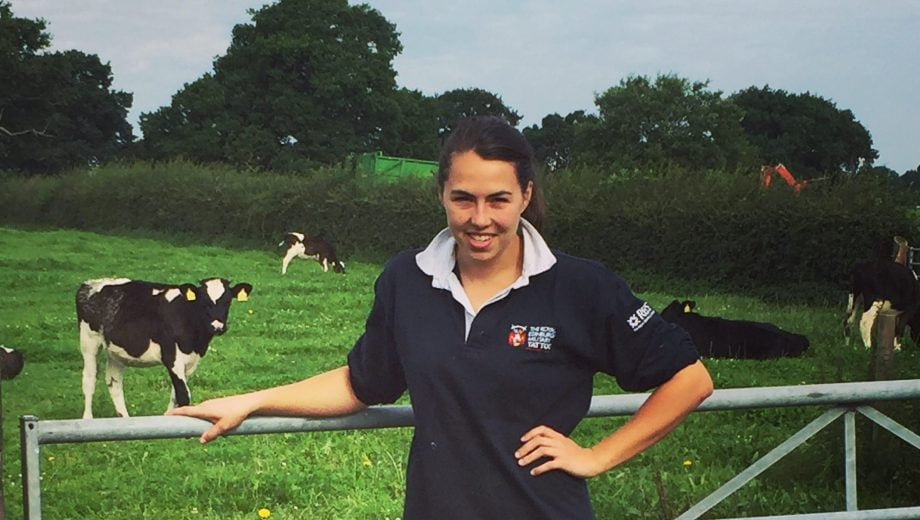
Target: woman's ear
x: 528, y: 195
x: 440, y: 190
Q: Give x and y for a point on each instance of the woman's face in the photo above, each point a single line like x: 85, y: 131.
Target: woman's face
x: 484, y: 202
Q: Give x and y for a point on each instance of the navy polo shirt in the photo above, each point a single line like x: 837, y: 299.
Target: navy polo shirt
x: 529, y: 359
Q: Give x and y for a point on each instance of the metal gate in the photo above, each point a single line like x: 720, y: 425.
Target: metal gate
x: 841, y: 400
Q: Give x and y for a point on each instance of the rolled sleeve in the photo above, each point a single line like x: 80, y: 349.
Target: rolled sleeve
x: 646, y: 359
x: 642, y: 349
x: 374, y: 364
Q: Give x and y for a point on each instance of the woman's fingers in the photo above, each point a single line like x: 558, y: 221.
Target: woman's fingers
x: 217, y: 413
x: 561, y: 452
x: 538, y: 442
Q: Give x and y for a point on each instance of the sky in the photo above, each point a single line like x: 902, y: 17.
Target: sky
x: 551, y: 56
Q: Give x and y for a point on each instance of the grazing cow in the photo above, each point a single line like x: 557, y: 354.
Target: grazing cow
x: 146, y: 323
x: 883, y: 285
x: 315, y: 248
x: 10, y: 362
x: 721, y: 338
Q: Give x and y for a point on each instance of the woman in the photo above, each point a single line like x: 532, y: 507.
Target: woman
x: 497, y: 339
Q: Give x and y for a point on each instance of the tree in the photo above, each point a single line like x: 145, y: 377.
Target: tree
x: 422, y: 122
x: 879, y: 172
x: 670, y: 120
x: 807, y: 133
x: 414, y: 130
x: 193, y: 126
x: 306, y: 81
x: 556, y: 141
x: 911, y: 179
x: 57, y: 109
x: 456, y: 104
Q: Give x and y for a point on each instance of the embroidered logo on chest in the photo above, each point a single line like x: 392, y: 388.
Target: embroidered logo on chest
x: 532, y: 337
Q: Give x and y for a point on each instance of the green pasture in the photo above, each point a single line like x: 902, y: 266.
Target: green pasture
x: 296, y: 325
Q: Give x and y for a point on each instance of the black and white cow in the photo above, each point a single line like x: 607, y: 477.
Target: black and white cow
x: 739, y: 339
x: 10, y: 362
x: 883, y: 285
x: 311, y: 248
x: 147, y: 323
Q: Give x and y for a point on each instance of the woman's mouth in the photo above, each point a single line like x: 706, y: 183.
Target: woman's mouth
x: 480, y: 240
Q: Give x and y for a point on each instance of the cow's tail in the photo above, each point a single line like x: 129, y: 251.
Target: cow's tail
x: 854, y: 302
x: 854, y: 297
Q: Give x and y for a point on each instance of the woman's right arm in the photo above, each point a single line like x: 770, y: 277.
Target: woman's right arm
x: 325, y: 394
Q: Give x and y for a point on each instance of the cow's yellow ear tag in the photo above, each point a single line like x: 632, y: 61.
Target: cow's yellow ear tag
x: 687, y: 308
x: 242, y: 296
x: 190, y: 295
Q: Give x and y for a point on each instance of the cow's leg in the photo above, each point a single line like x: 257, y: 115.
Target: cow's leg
x: 325, y: 265
x: 90, y: 342
x: 181, y: 395
x: 850, y: 319
x: 292, y: 252
x: 868, y: 321
x: 114, y: 379
x: 898, y: 330
x: 287, y: 260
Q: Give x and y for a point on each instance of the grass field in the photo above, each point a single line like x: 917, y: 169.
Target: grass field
x: 296, y: 325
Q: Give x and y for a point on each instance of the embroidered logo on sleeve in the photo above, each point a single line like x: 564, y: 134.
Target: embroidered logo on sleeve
x: 532, y: 337
x: 640, y: 317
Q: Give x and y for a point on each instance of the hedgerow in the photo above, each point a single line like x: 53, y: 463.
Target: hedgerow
x: 718, y: 227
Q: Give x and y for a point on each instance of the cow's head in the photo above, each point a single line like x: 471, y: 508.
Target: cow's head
x: 10, y: 363
x: 214, y: 296
x: 688, y: 306
x: 675, y: 309
x: 671, y: 311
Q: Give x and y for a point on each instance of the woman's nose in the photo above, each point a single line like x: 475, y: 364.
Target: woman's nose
x: 480, y: 215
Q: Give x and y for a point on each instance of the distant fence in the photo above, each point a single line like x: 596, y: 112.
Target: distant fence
x: 842, y: 399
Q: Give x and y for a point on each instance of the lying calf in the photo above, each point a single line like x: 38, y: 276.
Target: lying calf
x: 723, y: 338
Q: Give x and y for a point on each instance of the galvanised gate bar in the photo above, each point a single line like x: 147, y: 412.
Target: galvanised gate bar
x: 840, y: 400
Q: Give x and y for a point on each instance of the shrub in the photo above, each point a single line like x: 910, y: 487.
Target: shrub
x: 718, y: 227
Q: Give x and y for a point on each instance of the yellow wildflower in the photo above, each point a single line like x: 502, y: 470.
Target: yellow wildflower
x: 264, y: 513
x: 688, y: 463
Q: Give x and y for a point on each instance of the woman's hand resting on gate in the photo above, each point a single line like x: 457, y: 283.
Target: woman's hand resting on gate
x: 225, y: 413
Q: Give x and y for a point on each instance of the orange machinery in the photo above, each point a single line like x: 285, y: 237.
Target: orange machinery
x: 767, y: 172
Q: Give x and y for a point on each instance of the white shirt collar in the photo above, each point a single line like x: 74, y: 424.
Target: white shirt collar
x: 438, y: 259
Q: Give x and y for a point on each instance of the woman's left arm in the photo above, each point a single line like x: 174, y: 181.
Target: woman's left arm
x: 665, y: 408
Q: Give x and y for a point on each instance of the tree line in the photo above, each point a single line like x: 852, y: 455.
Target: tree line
x: 311, y: 82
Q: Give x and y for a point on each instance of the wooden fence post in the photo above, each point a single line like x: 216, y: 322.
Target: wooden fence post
x: 883, y: 346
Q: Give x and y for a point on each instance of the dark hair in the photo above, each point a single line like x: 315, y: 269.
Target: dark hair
x: 493, y: 138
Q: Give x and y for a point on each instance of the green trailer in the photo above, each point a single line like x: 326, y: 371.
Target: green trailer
x: 392, y: 167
